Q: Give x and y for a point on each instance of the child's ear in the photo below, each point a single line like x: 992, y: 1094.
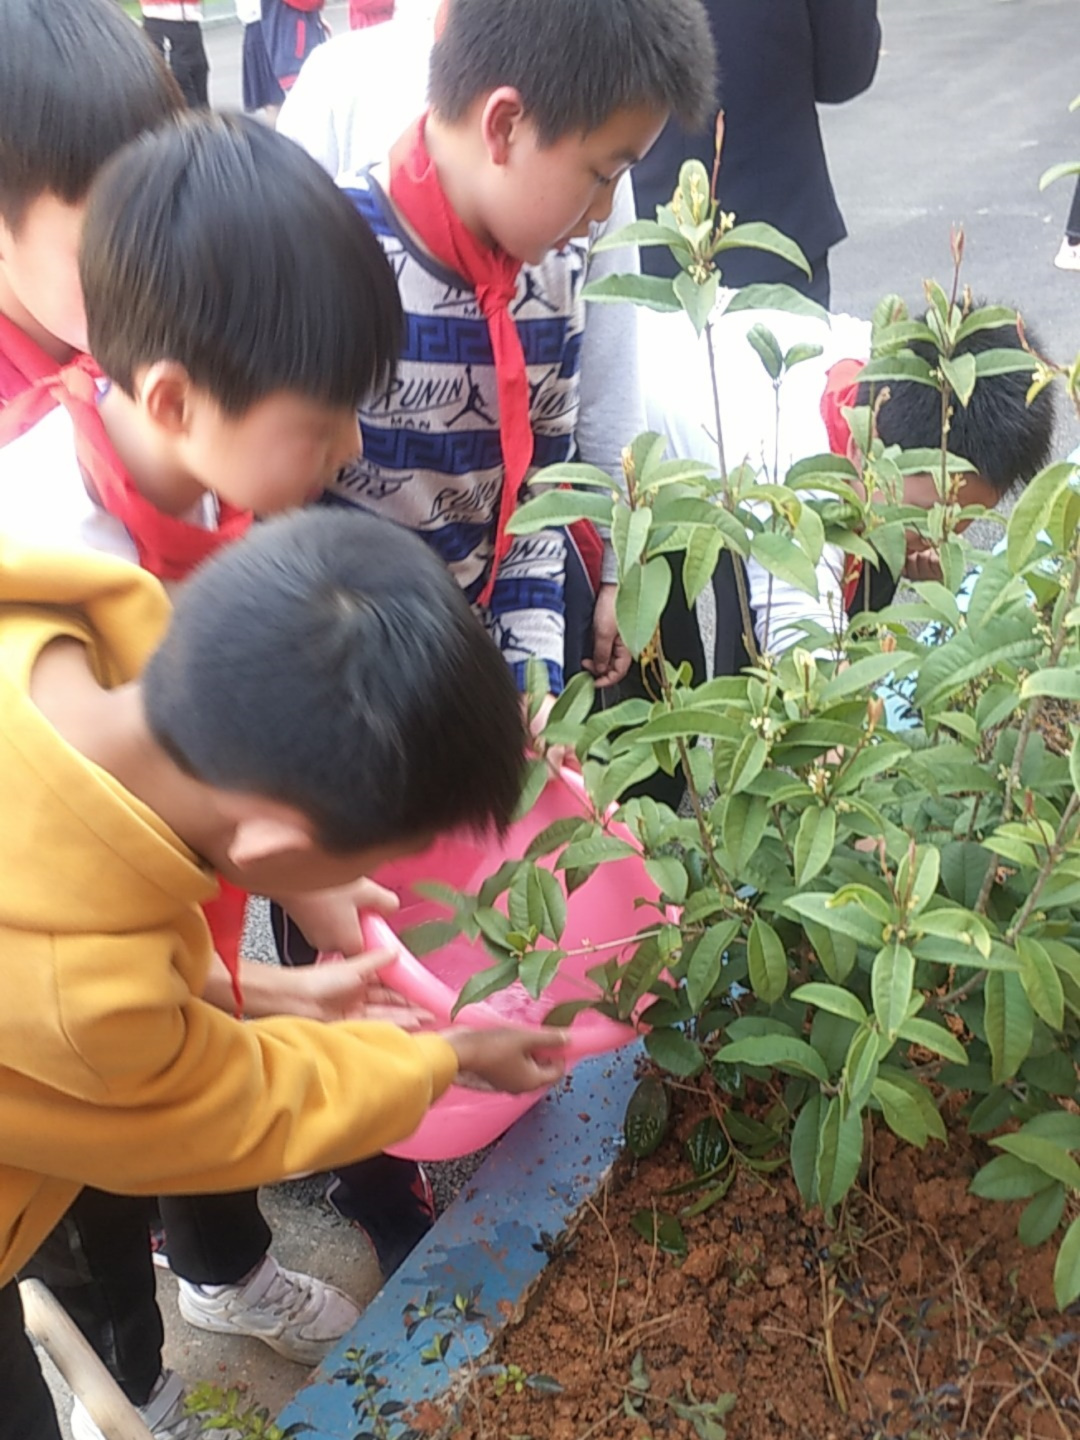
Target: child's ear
x: 166, y: 394
x: 280, y: 835
x: 500, y: 122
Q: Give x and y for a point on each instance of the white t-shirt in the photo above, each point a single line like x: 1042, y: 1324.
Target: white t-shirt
x: 248, y: 11
x: 679, y: 404
x: 44, y: 501
x: 43, y: 497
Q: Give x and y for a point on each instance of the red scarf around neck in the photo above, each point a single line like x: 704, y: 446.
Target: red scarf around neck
x: 22, y: 362
x: 417, y: 192
x: 167, y: 547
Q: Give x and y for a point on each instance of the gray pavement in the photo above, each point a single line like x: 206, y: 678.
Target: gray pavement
x: 969, y: 107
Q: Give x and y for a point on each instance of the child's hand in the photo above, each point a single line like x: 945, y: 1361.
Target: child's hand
x: 350, y: 990
x: 510, y: 1060
x: 330, y: 919
x: 610, y: 658
x: 555, y: 755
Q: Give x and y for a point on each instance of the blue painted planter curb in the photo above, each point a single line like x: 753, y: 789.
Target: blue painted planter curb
x: 490, y: 1246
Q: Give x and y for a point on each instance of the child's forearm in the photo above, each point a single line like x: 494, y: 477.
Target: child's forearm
x: 267, y: 989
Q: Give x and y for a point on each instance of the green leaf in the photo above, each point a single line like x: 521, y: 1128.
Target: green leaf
x: 675, y: 1052
x: 768, y: 961
x: 1058, y: 172
x: 593, y: 851
x: 697, y: 300
x: 932, y: 1036
x: 1042, y: 1216
x: 485, y: 983
x: 537, y: 776
x: 1009, y: 1021
x: 832, y: 998
x: 814, y: 841
x: 861, y: 1066
x: 744, y: 820
x: 765, y: 343
x: 748, y: 763
x: 840, y: 1147
x: 960, y: 373
x: 663, y: 1231
x: 1067, y: 1268
x: 891, y: 984
x: 848, y: 918
x: 707, y: 962
x: 639, y: 232
x: 538, y: 969
x: 647, y: 1114
x: 700, y: 561
x: 779, y: 554
x: 669, y: 876
x: 640, y: 602
x: 552, y: 836
x: 800, y: 352
x: 804, y: 1146
x: 865, y: 674
x: 560, y: 507
x: 653, y: 291
x: 1006, y: 1177
x: 1060, y: 1125
x: 778, y: 1052
x: 837, y: 952
x: 908, y: 1108
x: 755, y: 235
x: 775, y: 297
x: 1059, y: 684
x: 1029, y: 514
x: 707, y: 1146
x: 1041, y: 982
x: 1046, y: 1155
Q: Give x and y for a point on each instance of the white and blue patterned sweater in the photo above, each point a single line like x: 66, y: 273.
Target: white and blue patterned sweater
x: 432, y: 455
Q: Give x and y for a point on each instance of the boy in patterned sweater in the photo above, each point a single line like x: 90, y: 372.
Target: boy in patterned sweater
x: 536, y: 110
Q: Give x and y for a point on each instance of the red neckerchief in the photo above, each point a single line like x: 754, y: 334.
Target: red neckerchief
x: 23, y: 363
x: 167, y: 547
x: 841, y: 392
x: 418, y: 194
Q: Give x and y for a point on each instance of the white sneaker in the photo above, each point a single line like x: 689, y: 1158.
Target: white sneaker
x: 163, y: 1414
x: 1068, y: 257
x: 298, y: 1316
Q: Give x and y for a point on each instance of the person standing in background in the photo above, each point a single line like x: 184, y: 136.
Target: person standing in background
x: 778, y: 62
x: 1068, y: 257
x: 259, y: 84
x: 369, y: 12
x: 175, y: 28
x: 291, y: 30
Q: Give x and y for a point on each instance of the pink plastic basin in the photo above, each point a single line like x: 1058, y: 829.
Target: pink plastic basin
x: 601, y: 911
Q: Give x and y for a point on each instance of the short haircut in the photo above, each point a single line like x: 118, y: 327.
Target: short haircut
x: 77, y: 81
x: 576, y: 62
x: 998, y: 432
x: 330, y: 662
x: 221, y: 245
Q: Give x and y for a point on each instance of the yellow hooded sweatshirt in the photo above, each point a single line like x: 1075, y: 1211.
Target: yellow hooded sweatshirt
x: 112, y: 1072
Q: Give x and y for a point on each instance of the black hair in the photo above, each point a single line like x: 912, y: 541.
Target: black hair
x: 221, y: 245
x: 77, y: 81
x: 576, y: 62
x: 998, y: 432
x: 329, y: 661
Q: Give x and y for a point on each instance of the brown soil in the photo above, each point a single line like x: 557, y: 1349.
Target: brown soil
x: 921, y: 1307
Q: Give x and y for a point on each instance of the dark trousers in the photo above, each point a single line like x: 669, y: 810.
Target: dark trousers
x: 26, y: 1409
x: 97, y: 1263
x: 1072, y: 225
x: 181, y: 43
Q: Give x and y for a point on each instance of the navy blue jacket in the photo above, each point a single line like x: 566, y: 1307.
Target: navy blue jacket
x: 778, y: 60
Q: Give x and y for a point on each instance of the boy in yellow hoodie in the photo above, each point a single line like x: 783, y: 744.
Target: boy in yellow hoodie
x: 321, y: 700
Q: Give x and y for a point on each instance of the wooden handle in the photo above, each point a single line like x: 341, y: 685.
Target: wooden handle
x: 50, y: 1325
